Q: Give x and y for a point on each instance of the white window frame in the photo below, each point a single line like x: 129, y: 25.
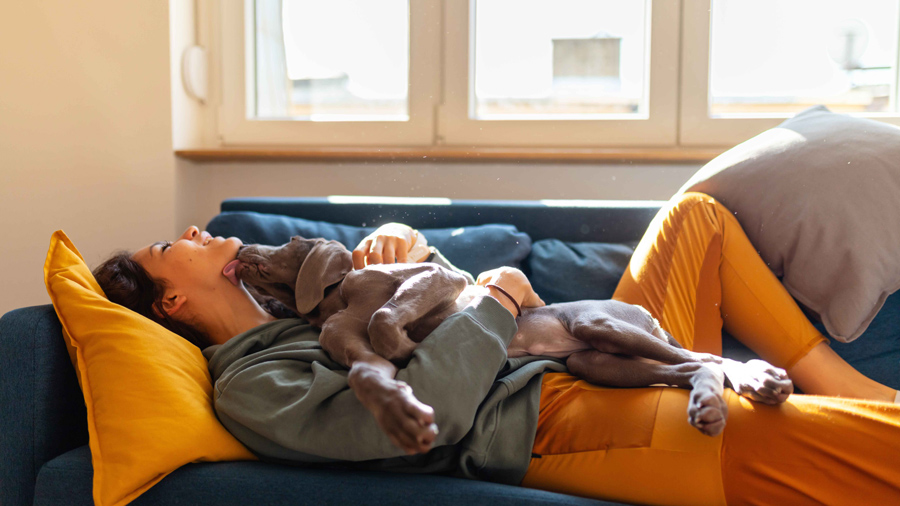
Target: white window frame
x: 696, y: 126
x: 235, y: 127
x: 657, y: 128
x: 441, y: 97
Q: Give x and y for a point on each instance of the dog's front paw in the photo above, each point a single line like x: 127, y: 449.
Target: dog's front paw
x: 707, y: 411
x: 758, y: 380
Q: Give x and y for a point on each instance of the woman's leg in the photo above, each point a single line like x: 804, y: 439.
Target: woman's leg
x: 695, y: 270
x: 824, y: 372
x: 635, y: 445
x: 811, y: 450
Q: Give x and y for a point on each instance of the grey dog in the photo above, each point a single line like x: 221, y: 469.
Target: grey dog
x: 383, y: 311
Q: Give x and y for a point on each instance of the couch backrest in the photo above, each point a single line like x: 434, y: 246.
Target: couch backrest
x: 616, y: 221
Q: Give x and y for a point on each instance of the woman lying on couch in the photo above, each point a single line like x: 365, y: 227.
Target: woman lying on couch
x: 526, y: 421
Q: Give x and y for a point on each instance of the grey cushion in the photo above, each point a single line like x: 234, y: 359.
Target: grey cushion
x: 819, y: 197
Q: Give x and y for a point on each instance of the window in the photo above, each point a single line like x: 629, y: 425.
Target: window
x: 341, y: 60
x: 336, y: 73
x: 554, y: 73
x: 772, y: 56
x: 651, y: 124
x: 579, y: 59
x: 749, y: 64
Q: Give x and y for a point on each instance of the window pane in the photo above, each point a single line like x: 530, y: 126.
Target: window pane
x: 776, y: 56
x: 340, y: 60
x: 549, y: 59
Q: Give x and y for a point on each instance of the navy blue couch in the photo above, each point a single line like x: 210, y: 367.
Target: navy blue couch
x: 44, y: 457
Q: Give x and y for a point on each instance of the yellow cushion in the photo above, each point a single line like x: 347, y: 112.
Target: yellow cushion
x: 148, y: 391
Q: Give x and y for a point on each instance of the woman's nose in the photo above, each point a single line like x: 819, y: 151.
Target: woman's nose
x: 190, y: 233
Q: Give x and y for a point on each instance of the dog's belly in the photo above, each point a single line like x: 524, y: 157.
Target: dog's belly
x: 541, y: 332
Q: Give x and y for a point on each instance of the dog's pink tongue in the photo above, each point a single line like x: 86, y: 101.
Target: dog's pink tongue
x: 230, y: 272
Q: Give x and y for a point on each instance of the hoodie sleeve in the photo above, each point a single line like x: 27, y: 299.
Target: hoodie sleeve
x: 437, y: 257
x: 296, y: 406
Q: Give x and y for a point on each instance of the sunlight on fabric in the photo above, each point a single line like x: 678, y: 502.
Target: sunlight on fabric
x: 353, y: 199
x: 773, y: 140
x: 602, y: 203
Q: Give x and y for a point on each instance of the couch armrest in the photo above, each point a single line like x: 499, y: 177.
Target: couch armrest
x: 42, y: 411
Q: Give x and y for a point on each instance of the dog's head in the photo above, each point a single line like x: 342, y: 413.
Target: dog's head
x: 262, y: 264
x: 296, y: 273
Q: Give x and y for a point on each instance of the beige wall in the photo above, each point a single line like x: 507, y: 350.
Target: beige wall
x: 90, y: 110
x: 85, y: 133
x: 204, y: 186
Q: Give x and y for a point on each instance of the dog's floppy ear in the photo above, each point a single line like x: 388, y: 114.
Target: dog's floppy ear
x: 326, y: 264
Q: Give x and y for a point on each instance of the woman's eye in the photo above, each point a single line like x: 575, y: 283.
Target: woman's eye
x: 166, y: 245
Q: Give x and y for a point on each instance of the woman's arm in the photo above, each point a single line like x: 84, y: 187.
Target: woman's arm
x: 302, y: 403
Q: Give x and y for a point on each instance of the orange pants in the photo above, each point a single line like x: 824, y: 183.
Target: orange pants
x: 695, y: 271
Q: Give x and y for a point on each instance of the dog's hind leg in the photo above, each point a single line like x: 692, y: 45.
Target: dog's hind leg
x: 610, y: 334
x: 416, y: 297
x: 408, y: 423
x: 707, y: 409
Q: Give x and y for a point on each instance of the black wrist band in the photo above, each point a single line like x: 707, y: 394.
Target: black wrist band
x: 510, y: 297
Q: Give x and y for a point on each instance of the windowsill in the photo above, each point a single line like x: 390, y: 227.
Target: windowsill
x: 456, y: 154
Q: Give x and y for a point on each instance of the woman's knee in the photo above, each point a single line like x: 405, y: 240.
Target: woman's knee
x: 686, y: 202
x: 695, y: 205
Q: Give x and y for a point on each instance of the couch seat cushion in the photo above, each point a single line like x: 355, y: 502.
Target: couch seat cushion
x: 67, y: 480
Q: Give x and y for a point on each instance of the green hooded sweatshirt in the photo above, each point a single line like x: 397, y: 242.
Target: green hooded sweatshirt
x: 281, y: 395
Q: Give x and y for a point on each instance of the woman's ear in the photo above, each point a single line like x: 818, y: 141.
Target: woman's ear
x: 171, y: 303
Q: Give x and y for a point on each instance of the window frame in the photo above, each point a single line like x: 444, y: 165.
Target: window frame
x: 658, y: 129
x: 696, y: 127
x: 236, y: 128
x: 440, y: 95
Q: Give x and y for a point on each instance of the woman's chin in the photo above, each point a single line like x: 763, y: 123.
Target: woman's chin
x: 234, y: 244
x: 231, y: 267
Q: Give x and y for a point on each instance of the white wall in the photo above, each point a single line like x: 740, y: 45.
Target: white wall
x: 85, y: 133
x: 91, y: 105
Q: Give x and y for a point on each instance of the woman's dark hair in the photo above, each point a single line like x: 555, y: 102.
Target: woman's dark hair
x: 128, y: 284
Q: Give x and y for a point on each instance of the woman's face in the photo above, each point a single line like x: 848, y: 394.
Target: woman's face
x: 195, y: 260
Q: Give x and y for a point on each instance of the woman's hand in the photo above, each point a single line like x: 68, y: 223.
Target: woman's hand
x: 394, y: 242
x: 515, y: 283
